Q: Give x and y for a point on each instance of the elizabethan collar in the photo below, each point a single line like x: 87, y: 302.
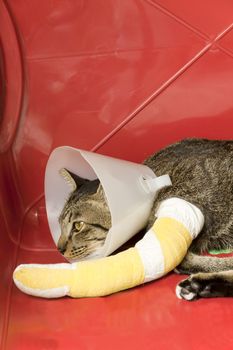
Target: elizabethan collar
x: 130, y: 189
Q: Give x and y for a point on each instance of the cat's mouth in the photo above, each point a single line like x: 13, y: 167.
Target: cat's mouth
x: 77, y: 253
x: 82, y: 251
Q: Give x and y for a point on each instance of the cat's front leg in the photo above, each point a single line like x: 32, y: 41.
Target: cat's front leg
x: 206, y: 285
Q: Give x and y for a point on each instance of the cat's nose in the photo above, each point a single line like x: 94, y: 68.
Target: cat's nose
x: 62, y: 244
x: 62, y: 250
x: 62, y: 247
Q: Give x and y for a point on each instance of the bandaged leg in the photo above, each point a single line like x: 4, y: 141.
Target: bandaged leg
x: 162, y: 248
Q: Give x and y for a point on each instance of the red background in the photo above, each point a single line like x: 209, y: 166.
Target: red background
x: 123, y: 78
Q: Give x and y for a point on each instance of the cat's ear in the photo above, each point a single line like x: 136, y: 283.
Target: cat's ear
x: 72, y: 179
x: 100, y: 191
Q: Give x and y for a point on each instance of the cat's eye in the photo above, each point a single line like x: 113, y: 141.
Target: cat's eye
x: 79, y: 225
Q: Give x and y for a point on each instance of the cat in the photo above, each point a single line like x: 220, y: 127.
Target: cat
x: 201, y: 171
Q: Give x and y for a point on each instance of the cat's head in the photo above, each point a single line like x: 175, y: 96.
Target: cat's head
x: 85, y: 219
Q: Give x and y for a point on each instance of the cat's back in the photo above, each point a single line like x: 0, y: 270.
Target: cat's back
x: 201, y: 170
x: 191, y: 153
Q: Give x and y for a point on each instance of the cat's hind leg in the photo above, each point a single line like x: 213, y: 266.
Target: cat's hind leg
x: 206, y: 285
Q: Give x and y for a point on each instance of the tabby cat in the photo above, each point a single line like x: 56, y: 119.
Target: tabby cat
x: 202, y: 173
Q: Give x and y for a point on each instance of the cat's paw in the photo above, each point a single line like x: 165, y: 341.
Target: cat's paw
x: 201, y: 285
x: 187, y: 289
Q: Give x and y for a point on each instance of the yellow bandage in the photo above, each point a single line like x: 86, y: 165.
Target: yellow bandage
x: 108, y: 275
x: 85, y: 279
x: 174, y: 240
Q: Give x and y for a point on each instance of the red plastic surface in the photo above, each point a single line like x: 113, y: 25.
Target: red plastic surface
x: 123, y: 78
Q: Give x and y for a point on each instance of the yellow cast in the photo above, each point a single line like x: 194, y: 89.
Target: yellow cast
x: 107, y: 275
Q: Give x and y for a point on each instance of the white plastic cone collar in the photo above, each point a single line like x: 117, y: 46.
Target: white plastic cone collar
x: 130, y: 189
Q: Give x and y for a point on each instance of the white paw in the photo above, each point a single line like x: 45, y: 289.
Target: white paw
x: 184, y: 290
